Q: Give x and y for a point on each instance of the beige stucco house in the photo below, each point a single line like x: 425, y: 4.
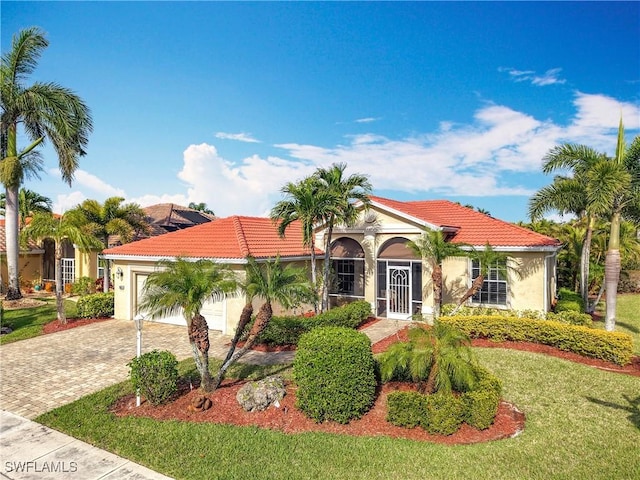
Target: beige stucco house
x: 370, y: 261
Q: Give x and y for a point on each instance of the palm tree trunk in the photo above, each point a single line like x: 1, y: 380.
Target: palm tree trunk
x: 436, y: 278
x: 585, y: 255
x: 59, y: 287
x: 12, y: 243
x: 107, y: 269
x: 475, y: 286
x: 262, y: 320
x: 198, y: 332
x: 326, y: 268
x: 612, y: 272
x: 430, y: 386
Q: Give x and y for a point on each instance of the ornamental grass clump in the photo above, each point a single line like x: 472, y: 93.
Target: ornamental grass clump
x: 334, y: 370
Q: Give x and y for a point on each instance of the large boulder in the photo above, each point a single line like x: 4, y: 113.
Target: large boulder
x: 259, y: 395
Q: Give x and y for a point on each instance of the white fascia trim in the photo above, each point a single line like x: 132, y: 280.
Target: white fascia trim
x: 231, y: 261
x: 547, y: 248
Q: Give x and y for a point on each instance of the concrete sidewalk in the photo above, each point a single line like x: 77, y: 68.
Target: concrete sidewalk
x: 32, y: 451
x: 49, y: 371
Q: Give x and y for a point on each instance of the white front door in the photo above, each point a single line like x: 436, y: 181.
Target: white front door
x: 399, y: 297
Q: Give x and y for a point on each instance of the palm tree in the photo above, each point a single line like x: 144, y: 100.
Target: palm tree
x: 201, y: 207
x: 29, y: 203
x: 567, y: 195
x: 112, y: 218
x: 184, y: 286
x: 58, y: 228
x: 344, y: 191
x: 432, y: 247
x: 487, y: 259
x: 45, y: 111
x: 306, y: 203
x: 272, y: 282
x: 614, y: 185
x: 437, y: 358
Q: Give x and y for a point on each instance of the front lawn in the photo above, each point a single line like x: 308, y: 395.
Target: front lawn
x: 581, y: 423
x: 28, y: 322
x: 628, y: 317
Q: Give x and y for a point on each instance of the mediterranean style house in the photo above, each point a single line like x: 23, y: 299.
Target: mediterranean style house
x: 370, y: 261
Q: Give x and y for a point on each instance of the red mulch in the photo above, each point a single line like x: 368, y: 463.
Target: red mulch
x: 286, y: 418
x: 56, y: 326
x: 226, y: 410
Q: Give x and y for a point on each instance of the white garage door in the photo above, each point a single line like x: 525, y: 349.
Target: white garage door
x: 213, y: 311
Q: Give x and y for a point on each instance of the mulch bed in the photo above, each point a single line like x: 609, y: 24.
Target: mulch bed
x: 56, y: 326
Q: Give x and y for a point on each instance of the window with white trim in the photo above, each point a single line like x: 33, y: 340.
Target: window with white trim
x: 494, y: 287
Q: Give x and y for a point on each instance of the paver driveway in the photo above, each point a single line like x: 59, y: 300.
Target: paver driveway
x: 48, y: 371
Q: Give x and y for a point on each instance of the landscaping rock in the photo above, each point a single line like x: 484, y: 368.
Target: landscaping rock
x: 5, y: 330
x: 200, y: 404
x: 258, y: 396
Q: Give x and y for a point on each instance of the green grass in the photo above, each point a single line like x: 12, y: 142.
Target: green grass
x: 627, y: 317
x: 581, y: 423
x: 28, y: 322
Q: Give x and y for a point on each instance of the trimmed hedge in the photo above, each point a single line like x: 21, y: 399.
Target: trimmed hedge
x: 287, y: 330
x: 96, y: 305
x: 568, y: 300
x: 156, y: 375
x: 335, y: 373
x: 613, y: 347
x: 443, y: 413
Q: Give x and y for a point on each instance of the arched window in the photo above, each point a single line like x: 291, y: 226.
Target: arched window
x: 347, y: 261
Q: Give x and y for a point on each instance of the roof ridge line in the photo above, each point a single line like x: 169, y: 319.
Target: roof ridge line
x: 242, y: 240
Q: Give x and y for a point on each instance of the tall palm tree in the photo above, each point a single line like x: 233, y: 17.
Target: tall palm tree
x: 567, y: 195
x: 44, y: 111
x: 487, y: 259
x: 272, y: 282
x: 184, y: 286
x: 614, y: 185
x: 112, y: 218
x: 344, y: 192
x: 437, y: 358
x: 58, y: 228
x: 432, y: 247
x: 29, y: 203
x: 307, y: 203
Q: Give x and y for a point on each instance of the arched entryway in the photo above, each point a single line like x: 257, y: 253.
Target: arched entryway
x: 399, y: 280
x: 347, y: 268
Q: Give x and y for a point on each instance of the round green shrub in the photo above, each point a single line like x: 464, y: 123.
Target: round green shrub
x: 335, y: 374
x: 96, y: 305
x: 444, y: 413
x: 155, y: 374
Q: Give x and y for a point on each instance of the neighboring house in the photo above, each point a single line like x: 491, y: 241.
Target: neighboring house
x: 37, y: 262
x: 370, y: 261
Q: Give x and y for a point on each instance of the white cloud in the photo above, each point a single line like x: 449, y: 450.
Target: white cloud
x: 63, y: 203
x: 367, y: 120
x: 98, y: 186
x: 240, y: 137
x: 550, y: 77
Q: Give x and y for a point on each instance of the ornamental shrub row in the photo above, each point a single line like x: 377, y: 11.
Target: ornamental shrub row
x: 444, y: 413
x: 613, y: 347
x: 334, y: 370
x: 286, y: 330
x: 96, y: 305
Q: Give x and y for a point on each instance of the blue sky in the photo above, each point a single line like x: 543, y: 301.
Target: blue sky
x: 225, y: 102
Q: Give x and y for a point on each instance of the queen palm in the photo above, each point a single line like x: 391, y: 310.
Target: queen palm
x: 44, y: 111
x: 306, y: 203
x: 344, y: 192
x: 183, y: 286
x: 567, y: 195
x: 112, y: 218
x: 58, y: 228
x: 488, y: 259
x: 432, y: 247
x: 29, y: 203
x: 272, y: 282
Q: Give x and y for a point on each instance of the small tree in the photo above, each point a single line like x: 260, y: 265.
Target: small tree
x: 59, y: 228
x: 183, y: 286
x: 273, y: 282
x: 487, y: 258
x: 437, y: 358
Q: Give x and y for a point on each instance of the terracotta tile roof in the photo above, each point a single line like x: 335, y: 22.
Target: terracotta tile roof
x: 32, y: 246
x: 226, y: 238
x: 470, y: 227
